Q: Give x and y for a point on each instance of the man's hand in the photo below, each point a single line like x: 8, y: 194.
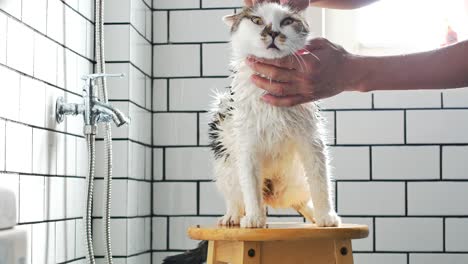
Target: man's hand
x: 322, y: 70
x: 295, y: 4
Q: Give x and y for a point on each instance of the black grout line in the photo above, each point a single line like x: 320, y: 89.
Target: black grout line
x: 193, y: 77
x: 167, y: 232
x: 342, y: 215
x: 128, y: 139
x: 131, y: 63
x: 198, y: 198
x: 132, y: 26
x: 443, y: 235
x: 152, y: 140
x: 176, y: 43
x: 373, y: 235
x: 132, y: 102
x: 168, y: 26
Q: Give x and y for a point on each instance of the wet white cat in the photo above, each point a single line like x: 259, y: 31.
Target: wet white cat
x: 267, y: 155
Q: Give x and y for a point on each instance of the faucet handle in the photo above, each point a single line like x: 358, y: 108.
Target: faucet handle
x: 94, y: 76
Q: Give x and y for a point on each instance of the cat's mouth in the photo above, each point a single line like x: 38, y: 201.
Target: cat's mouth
x: 272, y: 46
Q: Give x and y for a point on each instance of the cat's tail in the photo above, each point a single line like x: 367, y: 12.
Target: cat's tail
x: 194, y: 256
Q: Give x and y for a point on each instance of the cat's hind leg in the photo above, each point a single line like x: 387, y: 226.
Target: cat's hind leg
x: 306, y: 210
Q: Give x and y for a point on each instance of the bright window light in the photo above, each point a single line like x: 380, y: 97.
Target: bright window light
x: 411, y: 24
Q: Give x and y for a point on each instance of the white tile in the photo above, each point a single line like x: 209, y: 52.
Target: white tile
x: 160, y: 95
x: 211, y: 200
x: 419, y: 162
x: 65, y: 240
x: 20, y: 46
x: 81, y: 157
x: 407, y: 99
x: 119, y: 88
x: 117, y: 34
x: 137, y: 86
x: 138, y: 15
x: 39, y: 244
x: 75, y: 197
x: 135, y: 227
x: 75, y: 31
x: 148, y: 93
x: 454, y: 162
x: 369, y: 127
x: 66, y: 155
x: 67, y: 75
x: 175, y: 129
x: 3, y: 38
x: 140, y: 51
x: 10, y: 89
x: 119, y: 205
x: 178, y: 230
x: 170, y: 4
x: 144, y: 198
x: 186, y: 64
x: 158, y: 164
x: 80, y: 239
x: 55, y: 20
x: 216, y: 59
x: 137, y: 159
x: 148, y: 24
x: 437, y: 126
x: 456, y: 234
x: 148, y: 163
x: 44, y: 152
x: 456, y: 97
x: 160, y: 26
x: 32, y: 102
x: 27, y: 229
x: 55, y: 198
x: 225, y: 3
x: 371, y: 198
x: 381, y: 258
x: 10, y: 182
x: 174, y: 198
x: 159, y: 233
x: 435, y: 258
x: 118, y: 236
x: 18, y: 148
x: 194, y: 94
x: 31, y: 198
x: 86, y: 8
x: 2, y: 145
x: 349, y: 163
x: 117, y: 11
x: 431, y: 198
x: 407, y: 234
x: 281, y: 212
x: 45, y: 59
x: 34, y: 14
x: 132, y: 193
x: 364, y: 244
x: 188, y: 164
x: 205, y: 119
x: 11, y: 7
x: 347, y: 100
x: 185, y: 26
x: 147, y: 234
x: 89, y: 40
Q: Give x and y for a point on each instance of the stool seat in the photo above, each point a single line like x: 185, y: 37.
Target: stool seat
x: 278, y: 231
x: 280, y: 243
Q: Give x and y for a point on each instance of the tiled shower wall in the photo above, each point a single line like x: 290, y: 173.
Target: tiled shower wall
x: 45, y: 47
x: 399, y: 158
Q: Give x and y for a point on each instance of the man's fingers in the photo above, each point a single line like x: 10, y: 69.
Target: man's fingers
x: 272, y: 87
x: 284, y: 101
x: 248, y: 2
x: 287, y: 62
x: 270, y: 71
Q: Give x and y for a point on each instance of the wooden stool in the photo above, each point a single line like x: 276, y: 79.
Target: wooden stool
x: 280, y: 243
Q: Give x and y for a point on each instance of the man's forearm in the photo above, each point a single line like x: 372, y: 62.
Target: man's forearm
x: 341, y: 4
x: 438, y: 69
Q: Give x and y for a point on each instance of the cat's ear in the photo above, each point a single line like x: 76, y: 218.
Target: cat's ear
x: 230, y: 19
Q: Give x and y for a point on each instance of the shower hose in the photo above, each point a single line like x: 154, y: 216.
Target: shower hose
x: 91, y: 142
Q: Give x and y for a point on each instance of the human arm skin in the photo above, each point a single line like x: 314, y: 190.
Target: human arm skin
x: 327, y: 70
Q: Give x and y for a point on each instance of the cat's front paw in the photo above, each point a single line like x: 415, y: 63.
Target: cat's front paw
x: 329, y: 219
x: 253, y: 221
x: 229, y: 220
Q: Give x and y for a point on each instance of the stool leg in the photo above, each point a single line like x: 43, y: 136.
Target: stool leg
x: 211, y: 259
x: 343, y: 252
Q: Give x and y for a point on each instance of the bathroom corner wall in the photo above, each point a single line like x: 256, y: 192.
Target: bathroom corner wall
x: 128, y: 37
x: 45, y: 46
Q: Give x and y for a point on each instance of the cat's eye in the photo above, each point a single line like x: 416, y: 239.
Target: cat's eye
x: 287, y: 21
x: 257, y: 20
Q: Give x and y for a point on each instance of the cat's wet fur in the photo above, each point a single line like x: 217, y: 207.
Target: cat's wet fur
x: 267, y: 155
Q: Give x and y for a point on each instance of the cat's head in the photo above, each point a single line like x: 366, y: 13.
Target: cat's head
x: 267, y: 30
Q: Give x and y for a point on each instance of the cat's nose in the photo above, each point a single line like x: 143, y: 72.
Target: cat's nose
x: 273, y: 34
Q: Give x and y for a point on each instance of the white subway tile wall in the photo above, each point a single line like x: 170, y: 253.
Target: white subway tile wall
x: 45, y: 48
x: 399, y: 158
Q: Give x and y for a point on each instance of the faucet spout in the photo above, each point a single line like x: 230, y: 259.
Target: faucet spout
x: 105, y: 112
